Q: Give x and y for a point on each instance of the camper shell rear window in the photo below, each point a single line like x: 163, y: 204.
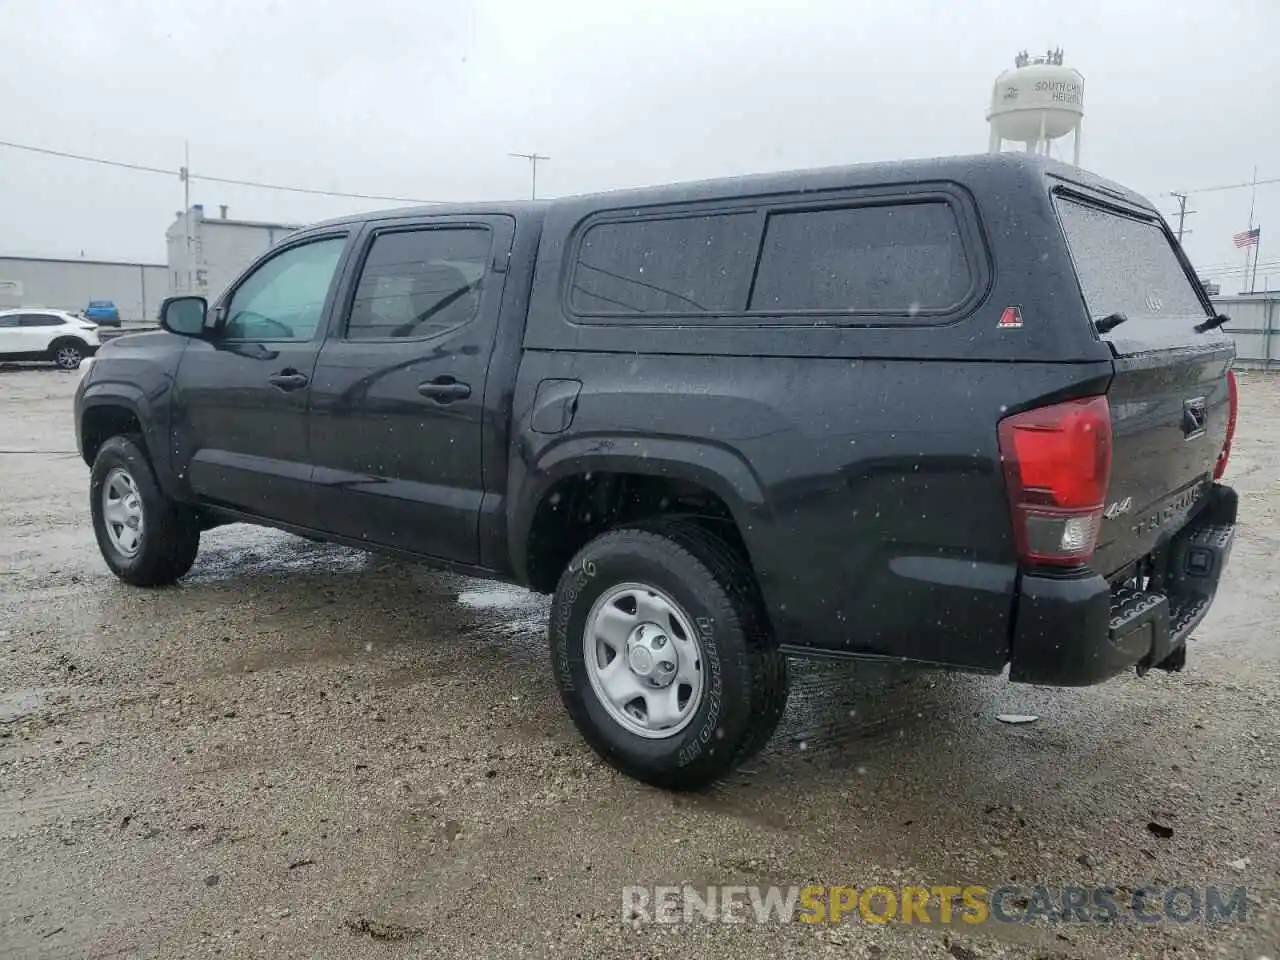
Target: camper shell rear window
x: 1127, y: 264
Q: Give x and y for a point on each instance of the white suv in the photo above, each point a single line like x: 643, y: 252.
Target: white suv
x: 33, y: 333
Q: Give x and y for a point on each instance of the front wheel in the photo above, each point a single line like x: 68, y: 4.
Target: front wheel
x: 67, y: 354
x: 663, y: 654
x: 146, y: 538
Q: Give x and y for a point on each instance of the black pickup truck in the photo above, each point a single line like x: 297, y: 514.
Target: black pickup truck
x: 968, y: 413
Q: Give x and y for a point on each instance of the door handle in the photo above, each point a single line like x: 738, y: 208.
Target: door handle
x: 445, y: 389
x: 288, y: 381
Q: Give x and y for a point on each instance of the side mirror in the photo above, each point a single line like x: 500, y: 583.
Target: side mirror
x: 184, y: 316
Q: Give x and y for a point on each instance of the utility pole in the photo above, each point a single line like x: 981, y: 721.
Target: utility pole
x: 533, y: 159
x: 185, y: 175
x: 1183, y: 212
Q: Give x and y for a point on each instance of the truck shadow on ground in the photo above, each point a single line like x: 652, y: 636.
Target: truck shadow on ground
x: 295, y: 602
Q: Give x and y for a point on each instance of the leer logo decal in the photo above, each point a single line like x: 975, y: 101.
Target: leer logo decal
x: 1010, y: 319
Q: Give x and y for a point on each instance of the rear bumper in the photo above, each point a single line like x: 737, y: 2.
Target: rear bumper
x: 1078, y: 630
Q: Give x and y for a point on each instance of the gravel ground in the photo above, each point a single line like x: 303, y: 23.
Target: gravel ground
x: 303, y: 751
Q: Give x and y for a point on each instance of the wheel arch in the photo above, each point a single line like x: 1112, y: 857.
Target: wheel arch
x: 674, y: 466
x: 62, y: 338
x: 103, y: 415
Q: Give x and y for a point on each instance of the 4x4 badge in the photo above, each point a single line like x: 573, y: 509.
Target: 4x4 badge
x: 1011, y: 318
x: 1119, y: 508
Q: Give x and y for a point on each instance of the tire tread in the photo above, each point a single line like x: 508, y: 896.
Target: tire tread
x: 769, y: 675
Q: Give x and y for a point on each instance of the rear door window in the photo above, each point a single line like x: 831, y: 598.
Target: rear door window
x: 419, y: 283
x: 1130, y: 266
x: 903, y: 259
x: 684, y: 265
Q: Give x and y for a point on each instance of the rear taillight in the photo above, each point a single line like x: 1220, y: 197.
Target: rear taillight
x: 1057, y: 465
x: 1233, y: 407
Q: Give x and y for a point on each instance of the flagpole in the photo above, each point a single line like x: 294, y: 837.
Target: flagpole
x: 1257, y: 249
x: 1253, y: 196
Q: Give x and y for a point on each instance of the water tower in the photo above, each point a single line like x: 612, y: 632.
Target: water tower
x: 1037, y: 102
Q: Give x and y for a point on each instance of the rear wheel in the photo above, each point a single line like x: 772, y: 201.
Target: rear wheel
x: 67, y: 354
x: 663, y: 654
x: 146, y: 538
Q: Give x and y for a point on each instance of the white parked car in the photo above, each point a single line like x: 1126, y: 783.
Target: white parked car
x: 35, y: 333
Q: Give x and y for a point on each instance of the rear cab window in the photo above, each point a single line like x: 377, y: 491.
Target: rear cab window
x: 1129, y: 265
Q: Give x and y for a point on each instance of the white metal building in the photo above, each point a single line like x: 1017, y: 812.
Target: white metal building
x: 1255, y: 318
x: 69, y: 284
x: 220, y: 249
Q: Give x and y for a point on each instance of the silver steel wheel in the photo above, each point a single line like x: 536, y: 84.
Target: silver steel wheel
x: 68, y: 356
x: 122, y: 512
x: 644, y: 660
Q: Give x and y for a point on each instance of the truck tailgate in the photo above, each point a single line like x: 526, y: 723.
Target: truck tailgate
x: 1169, y: 412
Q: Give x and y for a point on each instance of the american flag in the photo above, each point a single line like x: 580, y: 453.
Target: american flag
x: 1247, y: 238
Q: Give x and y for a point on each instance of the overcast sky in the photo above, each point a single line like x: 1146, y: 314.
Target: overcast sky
x: 426, y: 99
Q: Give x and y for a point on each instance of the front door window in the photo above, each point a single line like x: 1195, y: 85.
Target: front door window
x: 284, y: 298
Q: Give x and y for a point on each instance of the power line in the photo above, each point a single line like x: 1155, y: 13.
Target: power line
x: 308, y: 190
x: 209, y: 178
x: 1241, y: 275
x: 77, y: 156
x: 1248, y: 184
x: 533, y: 158
x: 1221, y: 263
x: 1230, y: 265
x: 1244, y: 276
x: 1240, y: 271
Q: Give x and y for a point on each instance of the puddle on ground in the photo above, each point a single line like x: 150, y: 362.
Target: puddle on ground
x: 496, y: 597
x: 18, y: 704
x: 240, y: 550
x: 515, y: 611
